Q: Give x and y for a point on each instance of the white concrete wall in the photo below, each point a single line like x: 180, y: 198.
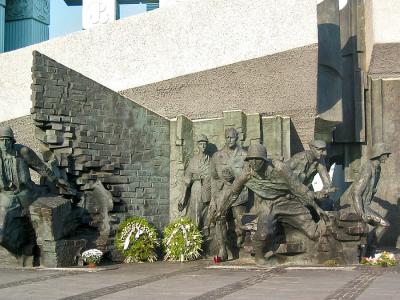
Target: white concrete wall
x: 382, y: 23
x: 164, y: 3
x: 165, y: 43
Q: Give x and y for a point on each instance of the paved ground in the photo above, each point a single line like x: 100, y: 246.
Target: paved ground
x: 201, y: 280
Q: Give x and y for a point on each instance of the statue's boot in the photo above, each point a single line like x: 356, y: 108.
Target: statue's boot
x: 223, y: 254
x: 259, y: 247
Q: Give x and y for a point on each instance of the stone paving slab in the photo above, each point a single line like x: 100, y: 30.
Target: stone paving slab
x: 386, y: 287
x: 15, y: 275
x: 201, y: 280
x: 296, y: 285
x: 184, y: 286
x: 84, y: 282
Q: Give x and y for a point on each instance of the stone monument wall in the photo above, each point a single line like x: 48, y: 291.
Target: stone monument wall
x: 280, y: 84
x: 382, y: 104
x: 98, y: 135
x: 370, y: 47
x: 383, y: 126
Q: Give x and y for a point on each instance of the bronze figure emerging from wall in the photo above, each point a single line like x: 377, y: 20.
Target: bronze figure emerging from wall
x: 197, y: 182
x: 359, y: 195
x: 17, y: 192
x: 226, y: 165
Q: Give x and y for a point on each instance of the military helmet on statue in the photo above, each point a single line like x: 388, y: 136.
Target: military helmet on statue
x: 202, y: 138
x: 319, y: 144
x: 257, y: 151
x: 6, y: 131
x: 378, y: 150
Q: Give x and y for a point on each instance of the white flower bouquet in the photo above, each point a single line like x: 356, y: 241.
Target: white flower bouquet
x: 383, y: 259
x: 137, y: 240
x: 182, y: 240
x: 92, y: 256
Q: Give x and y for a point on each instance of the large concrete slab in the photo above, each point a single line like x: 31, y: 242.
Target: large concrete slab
x: 196, y: 280
x: 158, y: 45
x: 381, y: 24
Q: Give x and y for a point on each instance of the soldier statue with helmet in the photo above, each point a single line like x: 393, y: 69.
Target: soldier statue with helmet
x: 305, y: 165
x: 280, y: 197
x: 359, y: 195
x: 18, y: 192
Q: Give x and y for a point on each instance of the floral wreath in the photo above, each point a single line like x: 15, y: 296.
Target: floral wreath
x: 182, y: 240
x: 137, y: 240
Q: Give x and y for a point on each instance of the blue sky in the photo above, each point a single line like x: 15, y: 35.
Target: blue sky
x: 66, y: 19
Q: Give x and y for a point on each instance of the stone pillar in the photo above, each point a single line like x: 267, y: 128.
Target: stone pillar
x: 329, y: 89
x: 276, y: 136
x: 27, y: 23
x: 97, y: 12
x: 2, y: 23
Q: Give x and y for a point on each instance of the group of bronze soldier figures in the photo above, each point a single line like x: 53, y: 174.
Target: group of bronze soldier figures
x: 218, y: 187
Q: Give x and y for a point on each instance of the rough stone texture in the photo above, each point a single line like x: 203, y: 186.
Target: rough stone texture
x: 51, y: 220
x: 385, y: 61
x: 61, y: 253
x: 164, y: 3
x: 280, y: 84
x: 48, y: 217
x: 381, y: 19
x: 274, y: 132
x: 98, y: 135
x: 156, y: 46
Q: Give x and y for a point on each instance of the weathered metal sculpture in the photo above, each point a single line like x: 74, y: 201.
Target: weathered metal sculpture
x: 45, y: 224
x: 357, y: 198
x: 197, y: 196
x: 305, y: 165
x: 18, y: 192
x: 280, y: 198
x: 226, y: 165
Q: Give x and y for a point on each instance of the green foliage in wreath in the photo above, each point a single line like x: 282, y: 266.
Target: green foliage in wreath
x: 137, y: 240
x: 182, y: 240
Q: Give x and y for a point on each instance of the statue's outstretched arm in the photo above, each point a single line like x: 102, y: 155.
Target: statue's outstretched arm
x: 324, y: 174
x: 35, y: 163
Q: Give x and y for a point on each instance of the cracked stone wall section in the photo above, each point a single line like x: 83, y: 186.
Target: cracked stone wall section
x: 98, y: 135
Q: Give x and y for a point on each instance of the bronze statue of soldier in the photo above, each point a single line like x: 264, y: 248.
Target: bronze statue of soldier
x: 197, y: 196
x: 280, y: 197
x: 361, y: 192
x: 305, y: 165
x: 17, y: 192
x: 226, y: 165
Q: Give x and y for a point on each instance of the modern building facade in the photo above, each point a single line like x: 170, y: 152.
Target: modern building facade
x: 23, y: 23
